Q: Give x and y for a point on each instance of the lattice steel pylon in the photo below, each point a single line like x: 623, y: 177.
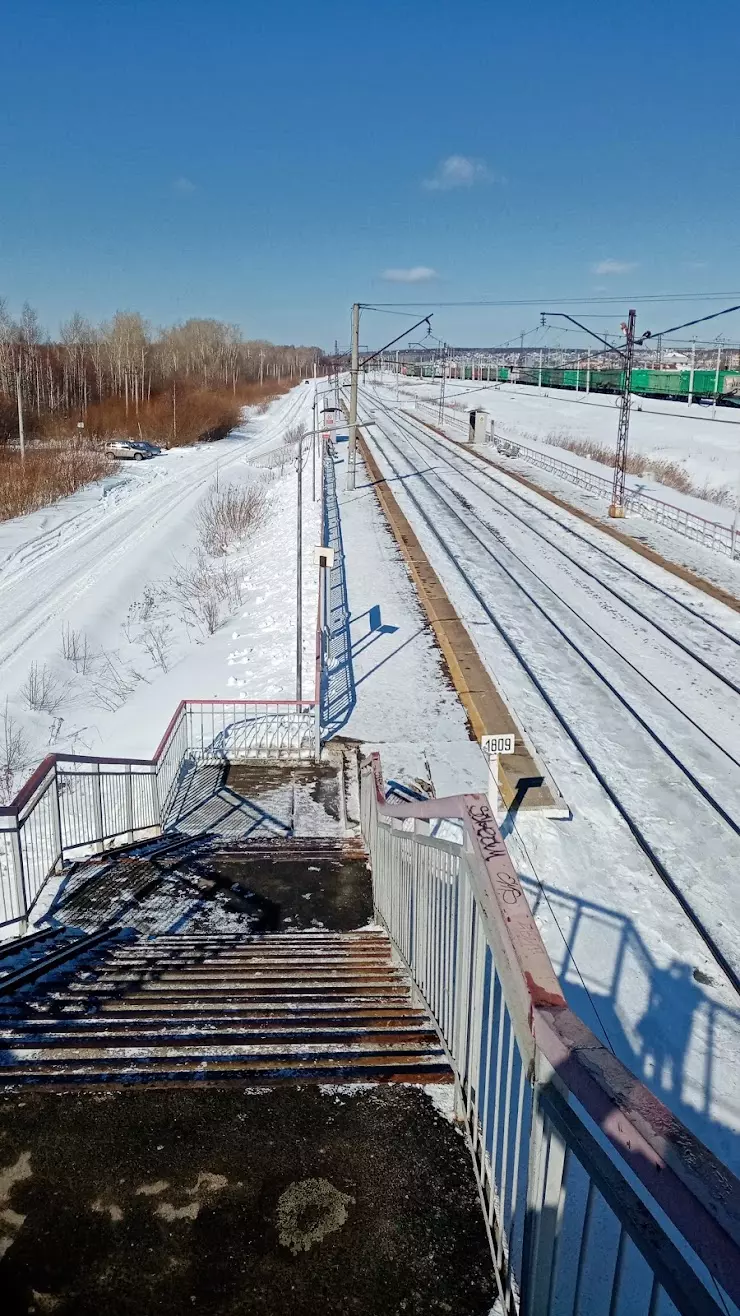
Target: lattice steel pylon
x: 441, y: 412
x: 620, y: 460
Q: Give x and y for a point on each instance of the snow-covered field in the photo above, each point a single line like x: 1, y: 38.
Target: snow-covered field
x: 627, y: 681
x: 708, y: 450
x: 93, y: 632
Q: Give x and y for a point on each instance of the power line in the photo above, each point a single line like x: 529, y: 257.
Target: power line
x: 568, y: 301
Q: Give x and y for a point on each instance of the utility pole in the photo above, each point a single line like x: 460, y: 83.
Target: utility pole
x: 716, y: 381
x: 314, y: 437
x: 441, y: 414
x: 620, y: 461
x: 19, y: 399
x: 299, y: 578
x: 354, y: 371
x: 691, y: 372
x: 588, y: 371
x: 539, y: 381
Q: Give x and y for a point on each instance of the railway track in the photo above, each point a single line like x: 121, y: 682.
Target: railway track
x: 664, y: 772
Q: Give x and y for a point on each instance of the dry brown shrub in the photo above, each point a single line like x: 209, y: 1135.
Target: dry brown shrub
x: 670, y: 473
x: 199, y: 414
x: 45, y: 475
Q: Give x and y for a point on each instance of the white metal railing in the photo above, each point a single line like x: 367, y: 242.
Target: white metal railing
x: 73, y: 803
x: 710, y: 534
x: 595, y: 1198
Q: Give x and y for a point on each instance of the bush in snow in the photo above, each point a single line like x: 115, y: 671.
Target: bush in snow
x: 15, y: 756
x: 227, y: 516
x: 204, y: 593
x: 42, y: 691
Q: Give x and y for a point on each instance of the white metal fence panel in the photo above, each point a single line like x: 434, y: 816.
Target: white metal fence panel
x: 569, y: 1230
x: 238, y: 732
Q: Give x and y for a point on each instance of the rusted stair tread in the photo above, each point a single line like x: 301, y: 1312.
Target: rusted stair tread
x: 288, y: 938
x: 245, y: 1050
x: 102, y: 1066
x: 253, y: 1009
x: 116, y: 963
x: 317, y: 992
x: 121, y: 1036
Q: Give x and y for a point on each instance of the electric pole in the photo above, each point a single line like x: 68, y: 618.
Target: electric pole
x: 299, y: 578
x: 716, y: 379
x: 314, y: 437
x: 354, y: 371
x: 441, y: 414
x: 620, y: 461
x: 19, y: 400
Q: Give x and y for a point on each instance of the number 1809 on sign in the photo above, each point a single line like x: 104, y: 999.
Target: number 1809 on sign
x: 497, y: 744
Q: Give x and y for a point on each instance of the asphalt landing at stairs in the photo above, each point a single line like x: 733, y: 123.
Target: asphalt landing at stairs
x: 236, y: 1122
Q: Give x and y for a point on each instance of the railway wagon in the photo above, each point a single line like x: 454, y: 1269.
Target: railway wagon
x: 674, y: 384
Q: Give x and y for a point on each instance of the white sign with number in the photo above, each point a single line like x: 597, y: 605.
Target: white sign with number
x: 497, y: 744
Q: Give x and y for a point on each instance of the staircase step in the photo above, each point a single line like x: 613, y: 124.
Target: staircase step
x: 371, y: 1066
x: 122, y: 1035
x: 308, y: 1006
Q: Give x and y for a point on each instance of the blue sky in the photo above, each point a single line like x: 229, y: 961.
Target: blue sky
x: 268, y: 164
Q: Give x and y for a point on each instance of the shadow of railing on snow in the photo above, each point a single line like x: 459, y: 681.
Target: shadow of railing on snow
x: 683, y: 1043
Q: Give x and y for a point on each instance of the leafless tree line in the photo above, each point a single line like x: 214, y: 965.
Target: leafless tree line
x: 124, y: 358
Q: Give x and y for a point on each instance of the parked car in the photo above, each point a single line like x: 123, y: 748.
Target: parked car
x: 137, y: 450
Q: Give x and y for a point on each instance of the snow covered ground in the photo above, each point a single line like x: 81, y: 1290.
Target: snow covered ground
x: 708, y: 450
x: 387, y: 685
x: 96, y: 578
x: 713, y: 566
x: 628, y: 683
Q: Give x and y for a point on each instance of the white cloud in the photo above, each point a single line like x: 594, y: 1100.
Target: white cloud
x: 184, y: 186
x: 614, y: 266
x: 458, y: 171
x: 415, y: 274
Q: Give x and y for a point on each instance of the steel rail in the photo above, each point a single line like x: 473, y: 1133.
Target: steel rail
x: 602, y: 639
x: 634, y: 827
x: 592, y: 545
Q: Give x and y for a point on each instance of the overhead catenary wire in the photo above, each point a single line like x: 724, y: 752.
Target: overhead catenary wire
x: 563, y: 301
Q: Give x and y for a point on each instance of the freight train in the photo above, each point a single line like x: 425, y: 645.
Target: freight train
x: 670, y: 384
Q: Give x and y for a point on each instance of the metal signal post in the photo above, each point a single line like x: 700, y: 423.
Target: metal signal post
x: 620, y: 460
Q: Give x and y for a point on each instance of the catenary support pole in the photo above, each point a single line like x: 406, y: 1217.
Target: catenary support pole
x: 716, y: 380
x: 354, y: 371
x: 539, y: 381
x: 314, y: 438
x: 299, y: 578
x: 620, y: 460
x: 691, y: 373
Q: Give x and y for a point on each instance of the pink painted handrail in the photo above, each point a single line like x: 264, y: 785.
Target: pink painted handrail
x: 696, y: 1191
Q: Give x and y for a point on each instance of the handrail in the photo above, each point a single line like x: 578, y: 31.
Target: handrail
x: 463, y: 930
x: 75, y: 801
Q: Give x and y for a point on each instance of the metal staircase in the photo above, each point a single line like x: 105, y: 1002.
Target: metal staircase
x: 214, y: 1007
